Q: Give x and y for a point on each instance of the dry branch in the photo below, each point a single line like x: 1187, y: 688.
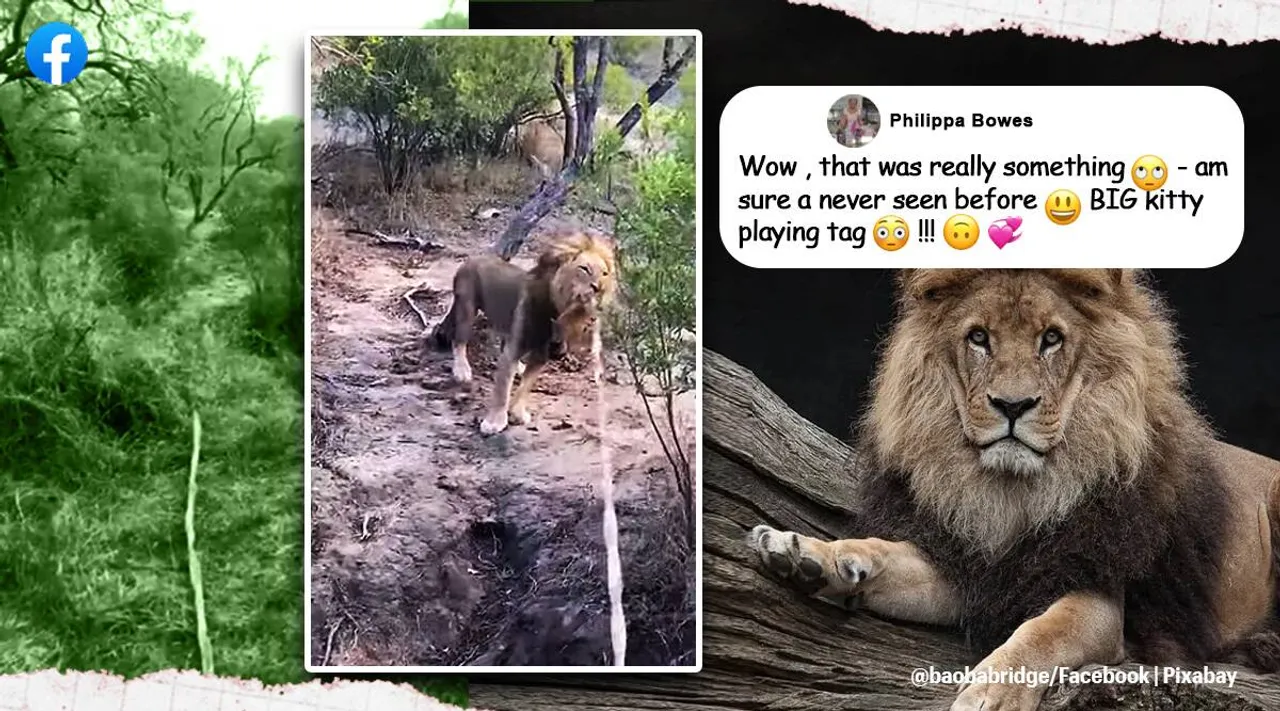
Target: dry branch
x: 766, y: 647
x: 551, y: 192
x: 408, y: 298
x: 409, y: 240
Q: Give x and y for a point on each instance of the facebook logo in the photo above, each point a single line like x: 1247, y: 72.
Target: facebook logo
x: 56, y: 53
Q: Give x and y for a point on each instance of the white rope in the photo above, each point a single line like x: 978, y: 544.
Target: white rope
x: 617, y: 622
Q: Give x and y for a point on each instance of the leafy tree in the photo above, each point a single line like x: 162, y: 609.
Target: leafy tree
x: 429, y: 97
x: 150, y: 265
x: 123, y: 37
x: 621, y: 90
x: 209, y: 135
x: 656, y: 232
x: 655, y: 193
x: 580, y: 122
x: 497, y: 81
x: 451, y: 20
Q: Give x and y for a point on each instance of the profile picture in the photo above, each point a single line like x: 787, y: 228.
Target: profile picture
x: 853, y: 120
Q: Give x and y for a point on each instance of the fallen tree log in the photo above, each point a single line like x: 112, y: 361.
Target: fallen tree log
x: 767, y: 647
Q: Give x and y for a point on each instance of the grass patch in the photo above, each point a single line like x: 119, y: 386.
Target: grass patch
x: 98, y: 512
x: 93, y: 558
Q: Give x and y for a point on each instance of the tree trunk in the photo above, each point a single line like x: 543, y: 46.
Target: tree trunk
x: 589, y: 103
x: 552, y: 192
x: 767, y: 647
x: 671, y: 72
x: 570, y: 122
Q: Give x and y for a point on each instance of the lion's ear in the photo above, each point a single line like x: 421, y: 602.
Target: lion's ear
x: 1095, y: 283
x: 932, y: 284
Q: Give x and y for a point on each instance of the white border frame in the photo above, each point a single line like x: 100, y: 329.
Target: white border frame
x: 698, y: 448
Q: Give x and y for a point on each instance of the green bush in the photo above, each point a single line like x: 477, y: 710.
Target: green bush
x: 119, y: 318
x: 657, y: 236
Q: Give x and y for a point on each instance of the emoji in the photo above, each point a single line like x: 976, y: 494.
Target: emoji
x: 1149, y: 173
x: 961, y: 231
x: 891, y: 233
x: 1004, y: 231
x: 1062, y: 207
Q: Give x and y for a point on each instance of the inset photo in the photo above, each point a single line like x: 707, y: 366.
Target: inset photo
x: 503, y: 332
x: 853, y: 120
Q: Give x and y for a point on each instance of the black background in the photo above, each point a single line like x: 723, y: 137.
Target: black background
x: 810, y: 334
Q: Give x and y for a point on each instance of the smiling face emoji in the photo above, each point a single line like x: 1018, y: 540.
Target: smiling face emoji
x: 960, y: 231
x: 1149, y: 173
x: 1062, y: 207
x: 891, y: 233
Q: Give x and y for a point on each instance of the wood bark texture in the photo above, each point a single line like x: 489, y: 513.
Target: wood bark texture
x: 765, y: 646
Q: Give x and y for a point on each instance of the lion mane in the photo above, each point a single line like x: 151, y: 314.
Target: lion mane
x: 580, y: 272
x: 1111, y: 481
x: 553, y: 307
x: 574, y: 276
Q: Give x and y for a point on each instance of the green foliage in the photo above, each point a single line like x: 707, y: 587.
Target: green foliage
x: 656, y: 232
x: 656, y: 194
x: 628, y: 50
x: 208, y: 135
x: 451, y: 20
x: 688, y: 86
x: 496, y: 80
x: 428, y: 96
x: 120, y: 315
x: 621, y: 90
x: 261, y: 224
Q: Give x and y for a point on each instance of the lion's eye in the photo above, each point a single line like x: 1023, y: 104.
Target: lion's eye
x: 585, y: 269
x: 1051, y: 338
x: 979, y: 337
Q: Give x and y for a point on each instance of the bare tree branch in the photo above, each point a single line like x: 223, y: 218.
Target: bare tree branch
x: 667, y: 79
x: 570, y: 123
x: 552, y: 192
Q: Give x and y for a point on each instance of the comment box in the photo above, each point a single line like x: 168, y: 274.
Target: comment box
x: 978, y: 176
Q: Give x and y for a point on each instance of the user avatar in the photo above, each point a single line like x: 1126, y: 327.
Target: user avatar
x: 853, y: 120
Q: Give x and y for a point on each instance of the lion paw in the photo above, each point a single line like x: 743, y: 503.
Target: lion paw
x: 520, y: 415
x: 831, y: 571
x: 461, y: 371
x: 997, y: 697
x: 492, y: 424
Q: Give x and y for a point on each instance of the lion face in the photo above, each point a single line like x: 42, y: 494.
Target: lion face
x: 584, y: 278
x: 1018, y: 372
x: 581, y: 270
x: 584, y: 281
x: 1007, y: 395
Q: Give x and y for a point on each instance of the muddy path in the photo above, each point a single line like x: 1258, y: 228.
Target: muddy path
x: 435, y: 546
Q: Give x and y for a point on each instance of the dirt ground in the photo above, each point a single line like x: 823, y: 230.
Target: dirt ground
x: 435, y: 546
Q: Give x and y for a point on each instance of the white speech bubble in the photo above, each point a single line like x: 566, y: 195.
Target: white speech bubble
x: 1045, y: 139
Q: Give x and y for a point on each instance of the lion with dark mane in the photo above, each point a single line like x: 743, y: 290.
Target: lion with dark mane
x: 539, y: 314
x: 1038, y: 478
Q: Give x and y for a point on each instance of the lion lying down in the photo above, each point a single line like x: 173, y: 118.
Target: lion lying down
x: 539, y: 314
x: 1040, y: 479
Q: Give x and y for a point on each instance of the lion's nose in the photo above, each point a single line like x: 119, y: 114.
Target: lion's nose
x: 595, y: 288
x: 1013, y: 409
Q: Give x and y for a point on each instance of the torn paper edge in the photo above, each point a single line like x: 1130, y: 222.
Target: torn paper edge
x: 1033, y: 28
x: 176, y: 690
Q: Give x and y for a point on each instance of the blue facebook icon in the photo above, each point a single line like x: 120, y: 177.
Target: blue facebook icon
x: 57, y: 53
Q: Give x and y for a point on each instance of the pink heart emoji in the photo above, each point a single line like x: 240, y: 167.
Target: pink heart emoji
x: 1004, y: 231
